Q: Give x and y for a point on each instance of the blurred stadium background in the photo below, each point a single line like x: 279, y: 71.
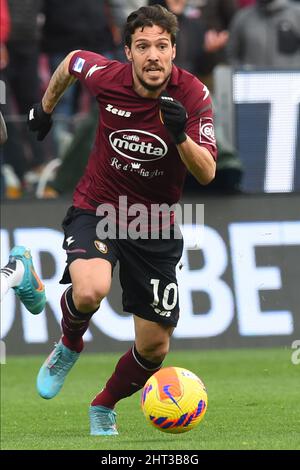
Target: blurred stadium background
x: 240, y: 297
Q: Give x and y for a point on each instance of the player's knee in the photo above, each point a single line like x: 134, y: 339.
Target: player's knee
x: 155, y: 352
x: 87, y: 299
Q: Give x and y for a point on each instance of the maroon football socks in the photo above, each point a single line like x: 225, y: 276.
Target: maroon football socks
x: 130, y: 375
x: 74, y: 324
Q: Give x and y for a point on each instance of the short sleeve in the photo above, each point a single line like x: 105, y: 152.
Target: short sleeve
x: 88, y: 68
x: 200, y: 125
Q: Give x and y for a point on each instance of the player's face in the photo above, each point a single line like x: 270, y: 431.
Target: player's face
x: 151, y: 54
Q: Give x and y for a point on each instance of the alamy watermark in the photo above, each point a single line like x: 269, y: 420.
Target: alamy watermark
x: 295, y: 357
x: 155, y: 221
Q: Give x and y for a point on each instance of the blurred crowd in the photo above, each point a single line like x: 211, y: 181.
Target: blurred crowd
x: 35, y: 36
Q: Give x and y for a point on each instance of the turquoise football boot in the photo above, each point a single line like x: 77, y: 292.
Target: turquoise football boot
x: 102, y: 421
x: 31, y: 291
x: 53, y: 372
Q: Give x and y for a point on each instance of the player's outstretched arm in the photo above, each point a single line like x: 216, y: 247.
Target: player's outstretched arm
x: 60, y: 81
x: 39, y: 117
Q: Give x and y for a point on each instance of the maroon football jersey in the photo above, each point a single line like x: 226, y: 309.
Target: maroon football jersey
x: 133, y: 154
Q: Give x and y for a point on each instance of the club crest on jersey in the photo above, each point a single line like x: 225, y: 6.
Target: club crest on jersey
x: 138, y: 145
x: 207, y: 133
x: 102, y: 247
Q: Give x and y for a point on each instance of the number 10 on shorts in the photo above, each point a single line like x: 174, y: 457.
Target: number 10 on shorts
x: 169, y: 298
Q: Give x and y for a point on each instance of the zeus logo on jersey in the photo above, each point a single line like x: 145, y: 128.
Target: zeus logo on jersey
x: 138, y: 145
x: 119, y: 112
x: 207, y: 133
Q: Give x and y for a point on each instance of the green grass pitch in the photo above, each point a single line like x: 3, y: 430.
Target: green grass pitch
x: 253, y: 403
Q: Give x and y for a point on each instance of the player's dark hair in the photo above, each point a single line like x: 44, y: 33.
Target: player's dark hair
x: 150, y: 16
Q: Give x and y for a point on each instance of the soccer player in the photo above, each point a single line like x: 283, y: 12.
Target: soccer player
x: 19, y: 274
x: 155, y: 122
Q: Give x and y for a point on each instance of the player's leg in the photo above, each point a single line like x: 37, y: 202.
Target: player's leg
x: 91, y: 281
x: 138, y: 364
x: 152, y: 340
x: 89, y: 270
x: 19, y: 274
x: 148, y: 279
x: 131, y: 373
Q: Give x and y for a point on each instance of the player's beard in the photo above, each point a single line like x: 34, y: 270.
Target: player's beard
x: 149, y: 87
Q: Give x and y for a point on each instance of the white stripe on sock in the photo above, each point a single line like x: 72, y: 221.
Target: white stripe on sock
x: 76, y: 319
x: 155, y: 368
x: 66, y: 300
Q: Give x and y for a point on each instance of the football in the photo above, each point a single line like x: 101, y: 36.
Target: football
x: 174, y: 400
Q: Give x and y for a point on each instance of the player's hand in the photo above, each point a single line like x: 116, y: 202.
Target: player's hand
x: 174, y: 116
x: 39, y: 121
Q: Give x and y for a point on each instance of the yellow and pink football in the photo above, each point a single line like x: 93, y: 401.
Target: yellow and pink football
x: 174, y: 400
